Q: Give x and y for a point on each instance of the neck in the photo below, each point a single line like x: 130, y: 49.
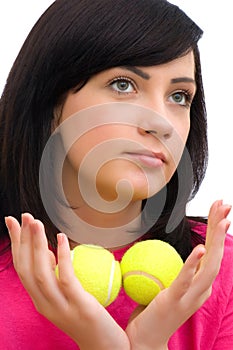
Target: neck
x: 109, y: 220
x: 107, y: 230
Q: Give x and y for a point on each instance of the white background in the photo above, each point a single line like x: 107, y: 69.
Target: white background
x: 17, y: 18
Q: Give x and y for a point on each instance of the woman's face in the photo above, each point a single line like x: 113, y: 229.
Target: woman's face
x: 144, y: 153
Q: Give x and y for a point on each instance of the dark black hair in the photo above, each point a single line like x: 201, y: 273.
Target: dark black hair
x: 72, y: 41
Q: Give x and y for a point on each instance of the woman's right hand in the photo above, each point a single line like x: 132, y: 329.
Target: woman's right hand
x: 63, y: 302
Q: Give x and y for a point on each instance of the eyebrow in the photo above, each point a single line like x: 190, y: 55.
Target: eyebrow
x: 146, y: 76
x: 183, y: 80
x: 138, y: 71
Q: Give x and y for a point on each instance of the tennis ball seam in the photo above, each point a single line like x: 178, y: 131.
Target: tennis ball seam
x: 111, y: 276
x: 145, y: 274
x: 110, y: 285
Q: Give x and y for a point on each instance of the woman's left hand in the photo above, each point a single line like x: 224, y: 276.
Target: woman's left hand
x: 173, y: 306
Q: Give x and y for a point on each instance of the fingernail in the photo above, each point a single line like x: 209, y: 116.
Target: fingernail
x: 8, y: 224
x: 60, y: 238
x: 202, y: 251
x: 25, y: 219
x: 227, y: 211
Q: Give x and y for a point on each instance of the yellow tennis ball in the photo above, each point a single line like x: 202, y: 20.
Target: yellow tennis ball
x: 98, y: 272
x: 147, y: 268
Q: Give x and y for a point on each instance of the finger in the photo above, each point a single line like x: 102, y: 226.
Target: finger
x: 211, y: 263
x: 20, y: 240
x: 215, y: 236
x: 184, y: 281
x: 69, y: 283
x: 52, y: 260
x: 215, y: 240
x: 42, y: 284
x: 43, y: 264
x: 14, y: 233
x: 25, y: 257
x: 23, y: 263
x: 25, y: 236
x: 13, y: 227
x: 218, y: 212
x: 64, y: 257
x: 209, y: 267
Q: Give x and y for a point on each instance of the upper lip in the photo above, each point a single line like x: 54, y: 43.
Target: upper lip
x: 148, y: 153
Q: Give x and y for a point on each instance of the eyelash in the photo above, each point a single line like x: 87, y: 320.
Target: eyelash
x: 188, y: 96
x: 187, y: 93
x: 122, y: 78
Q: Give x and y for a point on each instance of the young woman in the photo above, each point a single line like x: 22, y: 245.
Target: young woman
x: 103, y: 129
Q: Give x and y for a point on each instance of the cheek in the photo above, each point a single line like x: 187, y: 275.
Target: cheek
x: 99, y: 145
x: 176, y: 146
x: 80, y: 149
x: 182, y: 131
x: 182, y: 128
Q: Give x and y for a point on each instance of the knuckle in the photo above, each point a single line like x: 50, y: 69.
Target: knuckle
x: 40, y: 278
x: 40, y: 275
x: 64, y: 283
x: 39, y: 281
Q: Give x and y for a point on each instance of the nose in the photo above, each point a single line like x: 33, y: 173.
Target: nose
x: 154, y: 119
x: 156, y: 125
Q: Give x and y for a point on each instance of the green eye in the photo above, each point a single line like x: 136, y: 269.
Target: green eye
x: 182, y: 98
x: 122, y: 85
x: 178, y: 98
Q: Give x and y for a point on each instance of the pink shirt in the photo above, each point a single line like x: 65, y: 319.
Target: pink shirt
x: 22, y: 328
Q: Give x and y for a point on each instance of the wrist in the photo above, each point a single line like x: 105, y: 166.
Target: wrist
x: 144, y: 347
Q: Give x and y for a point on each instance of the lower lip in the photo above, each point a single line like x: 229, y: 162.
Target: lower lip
x: 145, y: 160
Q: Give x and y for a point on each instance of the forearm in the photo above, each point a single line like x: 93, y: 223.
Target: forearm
x: 103, y: 335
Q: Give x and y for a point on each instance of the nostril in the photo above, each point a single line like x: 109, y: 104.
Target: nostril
x: 151, y: 131
x: 166, y: 136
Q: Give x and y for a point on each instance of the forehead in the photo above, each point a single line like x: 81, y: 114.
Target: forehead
x: 184, y: 65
